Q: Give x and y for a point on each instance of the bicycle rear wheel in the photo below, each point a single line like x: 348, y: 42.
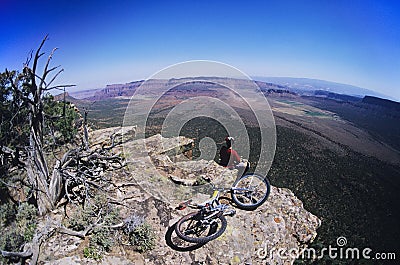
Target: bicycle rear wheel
x: 195, y: 229
x: 250, y: 191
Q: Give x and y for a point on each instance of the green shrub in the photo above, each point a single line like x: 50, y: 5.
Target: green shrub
x: 7, y: 214
x: 92, y: 252
x: 65, y: 125
x: 29, y: 232
x: 25, y: 221
x: 11, y: 241
x: 140, y: 233
x: 200, y: 180
x: 18, y: 226
x: 143, y: 237
x: 80, y: 219
x: 102, y: 238
x: 84, y: 216
x: 26, y: 213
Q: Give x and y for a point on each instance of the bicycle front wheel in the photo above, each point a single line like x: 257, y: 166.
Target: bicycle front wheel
x: 195, y: 228
x: 250, y: 191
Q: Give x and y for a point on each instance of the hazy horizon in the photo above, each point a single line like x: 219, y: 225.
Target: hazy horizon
x: 108, y: 42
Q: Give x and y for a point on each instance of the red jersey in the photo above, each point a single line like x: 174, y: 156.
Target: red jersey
x: 229, y: 157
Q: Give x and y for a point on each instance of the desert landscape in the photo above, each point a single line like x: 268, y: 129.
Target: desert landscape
x: 331, y: 152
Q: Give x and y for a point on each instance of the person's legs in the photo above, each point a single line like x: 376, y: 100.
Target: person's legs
x: 242, y: 168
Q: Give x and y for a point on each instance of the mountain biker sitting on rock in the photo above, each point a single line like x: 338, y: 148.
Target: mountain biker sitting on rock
x: 230, y: 158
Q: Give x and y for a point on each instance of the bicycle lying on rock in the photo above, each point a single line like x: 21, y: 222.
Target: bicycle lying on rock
x: 209, y: 222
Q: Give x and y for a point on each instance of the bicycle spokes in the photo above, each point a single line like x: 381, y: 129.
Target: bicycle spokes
x: 250, y: 191
x: 196, y: 228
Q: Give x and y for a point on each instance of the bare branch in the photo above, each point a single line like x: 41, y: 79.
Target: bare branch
x: 66, y: 190
x: 70, y: 232
x: 54, y: 77
x: 117, y: 226
x: 38, y: 54
x: 8, y: 185
x: 59, y: 86
x: 8, y: 254
x: 46, y: 71
x: 28, y: 60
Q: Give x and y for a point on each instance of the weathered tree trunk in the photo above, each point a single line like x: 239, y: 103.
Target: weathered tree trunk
x: 85, y: 132
x: 56, y: 184
x: 37, y: 167
x: 46, y: 188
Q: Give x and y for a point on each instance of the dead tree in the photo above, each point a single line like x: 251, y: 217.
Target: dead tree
x: 46, y: 187
x: 31, y: 88
x: 80, y: 168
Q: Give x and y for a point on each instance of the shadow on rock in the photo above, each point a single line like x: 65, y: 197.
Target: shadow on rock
x: 178, y: 244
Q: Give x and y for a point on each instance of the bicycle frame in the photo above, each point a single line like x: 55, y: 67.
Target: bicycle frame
x: 211, y: 205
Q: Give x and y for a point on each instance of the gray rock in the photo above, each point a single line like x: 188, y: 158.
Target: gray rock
x: 147, y: 189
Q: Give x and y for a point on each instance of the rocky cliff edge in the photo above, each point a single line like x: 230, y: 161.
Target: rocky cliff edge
x: 157, y: 177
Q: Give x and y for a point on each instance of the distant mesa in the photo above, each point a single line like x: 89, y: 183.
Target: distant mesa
x: 269, y: 85
x: 309, y: 86
x: 336, y: 96
x: 84, y: 94
x: 61, y: 96
x: 386, y: 103
x: 64, y: 96
x: 128, y: 89
x: 117, y: 90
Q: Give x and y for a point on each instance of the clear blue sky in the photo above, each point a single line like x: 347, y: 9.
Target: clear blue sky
x: 103, y: 42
